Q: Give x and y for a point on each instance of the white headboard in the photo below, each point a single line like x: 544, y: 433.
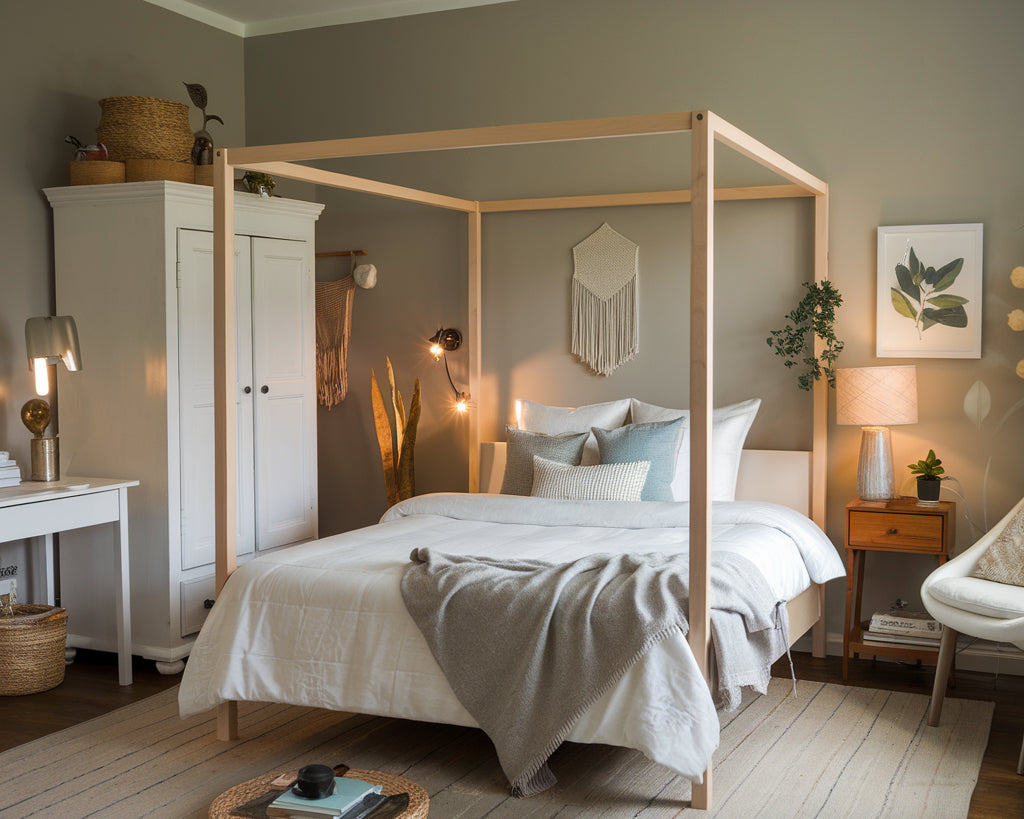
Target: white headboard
x: 773, y: 475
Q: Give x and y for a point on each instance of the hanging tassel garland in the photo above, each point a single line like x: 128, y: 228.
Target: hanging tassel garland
x: 333, y: 327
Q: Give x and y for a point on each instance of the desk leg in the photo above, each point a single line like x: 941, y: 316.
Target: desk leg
x: 850, y: 575
x: 48, y: 565
x: 122, y: 591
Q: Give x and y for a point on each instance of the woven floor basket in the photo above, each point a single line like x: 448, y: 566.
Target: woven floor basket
x: 145, y: 128
x: 32, y: 649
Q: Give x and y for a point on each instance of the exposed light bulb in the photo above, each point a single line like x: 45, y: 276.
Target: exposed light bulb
x: 42, y: 376
x: 462, y: 402
x: 436, y: 351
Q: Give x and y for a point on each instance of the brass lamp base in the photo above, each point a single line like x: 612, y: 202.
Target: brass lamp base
x: 45, y: 460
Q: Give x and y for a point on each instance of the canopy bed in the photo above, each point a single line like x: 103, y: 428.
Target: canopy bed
x: 705, y: 129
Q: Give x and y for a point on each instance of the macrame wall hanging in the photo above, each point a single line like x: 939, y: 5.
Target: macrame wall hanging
x: 334, y: 301
x: 605, y: 304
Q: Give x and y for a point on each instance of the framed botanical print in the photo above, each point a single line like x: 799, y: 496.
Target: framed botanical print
x: 929, y: 291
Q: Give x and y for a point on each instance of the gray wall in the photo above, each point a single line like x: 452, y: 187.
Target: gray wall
x: 905, y: 109
x: 59, y: 59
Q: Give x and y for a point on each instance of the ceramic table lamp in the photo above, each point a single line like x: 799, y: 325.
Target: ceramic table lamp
x: 876, y: 398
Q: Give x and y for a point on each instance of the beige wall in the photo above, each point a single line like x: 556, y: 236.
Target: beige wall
x: 905, y: 109
x: 59, y: 58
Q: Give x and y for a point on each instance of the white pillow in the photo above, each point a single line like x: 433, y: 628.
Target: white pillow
x: 602, y: 482
x: 535, y: 417
x: 729, y: 428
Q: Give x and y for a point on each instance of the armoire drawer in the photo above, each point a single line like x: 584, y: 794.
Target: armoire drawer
x: 194, y: 594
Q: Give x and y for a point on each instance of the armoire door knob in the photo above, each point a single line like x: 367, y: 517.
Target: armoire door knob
x: 247, y: 390
x: 264, y: 389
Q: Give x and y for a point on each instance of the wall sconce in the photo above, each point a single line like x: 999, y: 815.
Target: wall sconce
x: 49, y: 339
x: 444, y: 341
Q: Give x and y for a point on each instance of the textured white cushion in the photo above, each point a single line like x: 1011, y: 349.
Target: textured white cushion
x: 984, y: 597
x: 560, y: 420
x: 729, y: 428
x: 603, y: 482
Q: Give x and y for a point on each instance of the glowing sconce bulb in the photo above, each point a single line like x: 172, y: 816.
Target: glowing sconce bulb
x: 436, y: 350
x: 462, y: 402
x: 42, y: 376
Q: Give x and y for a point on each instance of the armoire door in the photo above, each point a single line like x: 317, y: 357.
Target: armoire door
x: 284, y: 373
x: 195, y: 396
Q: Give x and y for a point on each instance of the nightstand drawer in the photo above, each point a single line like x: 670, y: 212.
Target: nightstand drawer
x: 892, y: 530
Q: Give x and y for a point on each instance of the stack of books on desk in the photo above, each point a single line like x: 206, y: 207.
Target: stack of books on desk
x: 347, y: 799
x: 916, y: 628
x: 10, y: 472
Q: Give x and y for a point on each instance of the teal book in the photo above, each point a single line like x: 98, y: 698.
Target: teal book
x: 347, y: 793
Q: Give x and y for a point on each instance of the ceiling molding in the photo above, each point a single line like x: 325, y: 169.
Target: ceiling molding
x: 238, y: 16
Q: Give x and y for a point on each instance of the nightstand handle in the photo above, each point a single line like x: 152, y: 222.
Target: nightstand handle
x: 893, y: 531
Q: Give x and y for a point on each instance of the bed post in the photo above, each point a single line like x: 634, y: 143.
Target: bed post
x: 475, y: 347
x: 819, y: 447
x: 224, y: 387
x: 702, y: 211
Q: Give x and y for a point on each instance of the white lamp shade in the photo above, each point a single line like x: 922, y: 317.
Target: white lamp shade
x: 876, y: 396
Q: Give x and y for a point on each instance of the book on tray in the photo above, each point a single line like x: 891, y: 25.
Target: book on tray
x: 907, y: 623
x: 348, y: 793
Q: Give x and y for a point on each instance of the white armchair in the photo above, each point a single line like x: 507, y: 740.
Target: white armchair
x: 973, y: 606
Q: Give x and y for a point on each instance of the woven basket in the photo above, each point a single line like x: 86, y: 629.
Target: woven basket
x: 96, y: 172
x: 32, y: 649
x: 151, y: 170
x: 145, y: 128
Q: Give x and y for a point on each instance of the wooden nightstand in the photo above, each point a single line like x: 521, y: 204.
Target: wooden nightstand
x: 898, y: 525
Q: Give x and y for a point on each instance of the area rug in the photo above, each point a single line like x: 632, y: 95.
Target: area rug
x: 827, y: 750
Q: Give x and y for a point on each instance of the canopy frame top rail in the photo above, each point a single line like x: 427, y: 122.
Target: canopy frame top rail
x: 705, y: 127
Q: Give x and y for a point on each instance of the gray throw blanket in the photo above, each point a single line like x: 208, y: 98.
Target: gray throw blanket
x: 528, y: 646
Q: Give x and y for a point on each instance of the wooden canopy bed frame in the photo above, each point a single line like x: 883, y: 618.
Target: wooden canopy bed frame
x: 706, y: 128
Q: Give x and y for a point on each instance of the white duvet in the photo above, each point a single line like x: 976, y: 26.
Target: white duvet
x: 323, y: 624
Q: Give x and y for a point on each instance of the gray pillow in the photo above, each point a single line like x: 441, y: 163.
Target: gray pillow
x: 523, y: 445
x: 657, y: 442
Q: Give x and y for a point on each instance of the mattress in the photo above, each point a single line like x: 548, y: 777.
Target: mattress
x: 323, y: 624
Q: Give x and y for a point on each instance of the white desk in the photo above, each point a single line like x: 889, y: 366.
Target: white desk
x: 41, y: 509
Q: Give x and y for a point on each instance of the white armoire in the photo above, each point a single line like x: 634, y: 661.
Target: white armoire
x: 134, y: 266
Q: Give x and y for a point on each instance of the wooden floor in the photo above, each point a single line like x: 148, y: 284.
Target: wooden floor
x: 90, y: 688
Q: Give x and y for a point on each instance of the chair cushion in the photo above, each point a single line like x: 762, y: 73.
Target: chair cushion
x: 1003, y: 561
x: 984, y: 597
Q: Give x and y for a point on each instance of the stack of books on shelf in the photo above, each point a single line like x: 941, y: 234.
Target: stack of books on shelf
x: 348, y: 800
x: 10, y: 472
x: 915, y: 628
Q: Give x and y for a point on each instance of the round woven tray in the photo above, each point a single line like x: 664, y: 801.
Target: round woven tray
x: 145, y: 128
x: 32, y: 649
x: 419, y: 801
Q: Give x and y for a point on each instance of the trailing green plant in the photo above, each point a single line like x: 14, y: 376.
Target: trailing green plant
x: 813, y: 317
x: 396, y: 439
x: 930, y: 468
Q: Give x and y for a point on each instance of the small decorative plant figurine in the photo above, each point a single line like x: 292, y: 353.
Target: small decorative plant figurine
x: 260, y: 183
x: 202, y: 148
x: 929, y: 473
x: 812, y: 318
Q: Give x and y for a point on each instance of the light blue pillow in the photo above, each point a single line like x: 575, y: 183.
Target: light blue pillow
x: 523, y: 445
x: 657, y: 442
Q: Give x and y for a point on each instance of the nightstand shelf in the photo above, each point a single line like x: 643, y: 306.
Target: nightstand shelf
x: 900, y: 525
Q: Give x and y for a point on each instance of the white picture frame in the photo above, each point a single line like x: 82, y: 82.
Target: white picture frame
x: 929, y: 291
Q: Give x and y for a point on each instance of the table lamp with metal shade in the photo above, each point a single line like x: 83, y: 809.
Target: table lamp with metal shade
x: 48, y: 340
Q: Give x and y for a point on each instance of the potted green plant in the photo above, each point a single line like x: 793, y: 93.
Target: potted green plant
x: 929, y: 473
